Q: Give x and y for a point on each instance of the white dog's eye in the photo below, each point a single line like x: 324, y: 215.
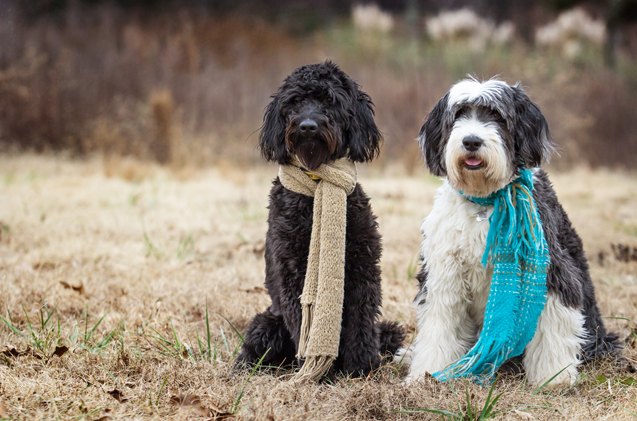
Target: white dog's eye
x: 461, y: 111
x: 496, y: 116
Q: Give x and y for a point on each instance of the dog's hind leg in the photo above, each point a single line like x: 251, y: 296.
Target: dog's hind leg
x: 267, y: 338
x: 554, y: 352
x: 392, y: 336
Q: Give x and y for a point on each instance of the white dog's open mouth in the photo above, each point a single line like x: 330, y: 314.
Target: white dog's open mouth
x: 473, y: 163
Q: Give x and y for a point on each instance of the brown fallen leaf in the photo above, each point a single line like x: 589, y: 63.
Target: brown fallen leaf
x: 255, y: 290
x: 60, y: 350
x: 14, y: 353
x: 11, y: 352
x: 191, y: 403
x: 44, y: 265
x: 77, y: 288
x: 258, y: 248
x: 185, y: 400
x: 220, y: 414
x: 117, y: 395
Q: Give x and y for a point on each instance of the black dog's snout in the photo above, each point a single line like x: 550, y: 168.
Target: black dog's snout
x: 308, y: 126
x: 472, y: 143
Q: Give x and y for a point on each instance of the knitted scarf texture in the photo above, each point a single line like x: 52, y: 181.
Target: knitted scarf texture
x: 323, y: 289
x: 518, y: 252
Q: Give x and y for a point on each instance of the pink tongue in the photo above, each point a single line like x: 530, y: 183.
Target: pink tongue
x: 473, y: 161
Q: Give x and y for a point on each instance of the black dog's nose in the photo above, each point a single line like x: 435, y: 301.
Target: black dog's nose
x: 308, y: 126
x: 472, y: 143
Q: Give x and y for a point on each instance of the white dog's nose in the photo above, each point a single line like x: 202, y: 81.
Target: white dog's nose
x: 472, y: 143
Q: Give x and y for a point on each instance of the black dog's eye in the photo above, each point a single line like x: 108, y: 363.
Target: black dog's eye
x: 290, y: 107
x: 292, y: 102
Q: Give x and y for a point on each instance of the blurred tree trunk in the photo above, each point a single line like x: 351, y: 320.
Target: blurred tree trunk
x: 620, y: 12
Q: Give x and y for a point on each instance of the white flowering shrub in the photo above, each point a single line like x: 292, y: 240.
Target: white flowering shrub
x: 571, y: 32
x: 371, y: 18
x: 465, y: 25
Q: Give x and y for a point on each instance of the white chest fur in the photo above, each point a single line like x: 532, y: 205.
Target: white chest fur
x: 454, y: 239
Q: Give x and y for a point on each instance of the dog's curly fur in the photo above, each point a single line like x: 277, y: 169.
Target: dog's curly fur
x: 338, y: 121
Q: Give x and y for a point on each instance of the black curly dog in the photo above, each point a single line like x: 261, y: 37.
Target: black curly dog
x: 319, y: 114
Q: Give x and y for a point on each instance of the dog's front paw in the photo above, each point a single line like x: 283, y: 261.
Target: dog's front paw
x: 546, y: 379
x: 427, y: 359
x: 403, y: 356
x: 422, y: 365
x: 411, y: 379
x: 414, y: 377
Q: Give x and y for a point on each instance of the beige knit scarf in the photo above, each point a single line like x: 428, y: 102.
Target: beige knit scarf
x: 323, y: 290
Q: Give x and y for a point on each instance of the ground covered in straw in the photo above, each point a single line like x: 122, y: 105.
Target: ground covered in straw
x: 124, y: 289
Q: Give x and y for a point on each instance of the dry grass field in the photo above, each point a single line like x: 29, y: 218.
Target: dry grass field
x: 124, y: 289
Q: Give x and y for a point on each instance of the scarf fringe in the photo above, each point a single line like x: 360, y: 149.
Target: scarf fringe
x: 480, y: 364
x: 314, y: 368
x: 306, y: 323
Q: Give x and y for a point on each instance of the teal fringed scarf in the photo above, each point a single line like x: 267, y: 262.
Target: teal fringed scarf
x: 518, y: 251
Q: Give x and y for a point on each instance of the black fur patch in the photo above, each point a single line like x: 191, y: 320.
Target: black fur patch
x: 433, y: 137
x: 530, y: 132
x: 569, y: 276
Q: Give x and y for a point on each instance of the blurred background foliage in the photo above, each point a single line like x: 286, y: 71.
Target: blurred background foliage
x: 186, y: 82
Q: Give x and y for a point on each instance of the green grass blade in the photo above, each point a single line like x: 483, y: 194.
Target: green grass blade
x: 469, y: 410
x: 44, y: 322
x: 208, y: 336
x: 26, y: 316
x: 85, y: 325
x: 201, y: 347
x: 489, y: 404
x: 177, y: 344
x: 237, y: 401
x: 543, y: 385
x: 89, y: 336
x: 442, y: 412
x: 11, y: 326
x: 226, y: 344
x: 105, y: 340
x: 235, y: 330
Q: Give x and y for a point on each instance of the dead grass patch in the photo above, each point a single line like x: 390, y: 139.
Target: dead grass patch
x: 126, y: 296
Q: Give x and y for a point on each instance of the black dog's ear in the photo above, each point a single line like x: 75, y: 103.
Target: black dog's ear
x: 533, y: 143
x: 431, y: 137
x: 364, y: 136
x: 272, y: 136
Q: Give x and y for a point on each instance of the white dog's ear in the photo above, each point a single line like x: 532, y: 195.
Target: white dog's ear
x: 432, y: 137
x: 530, y: 130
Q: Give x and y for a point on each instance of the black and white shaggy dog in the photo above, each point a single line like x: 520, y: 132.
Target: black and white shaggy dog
x: 319, y: 115
x: 477, y: 137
